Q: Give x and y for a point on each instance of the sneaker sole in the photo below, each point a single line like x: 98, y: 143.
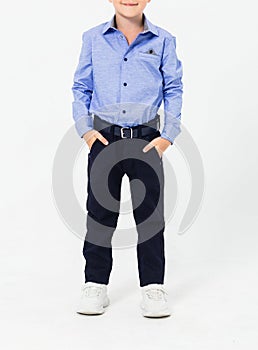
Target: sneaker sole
x: 162, y: 313
x: 94, y: 311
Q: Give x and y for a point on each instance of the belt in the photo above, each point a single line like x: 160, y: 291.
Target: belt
x: 127, y: 132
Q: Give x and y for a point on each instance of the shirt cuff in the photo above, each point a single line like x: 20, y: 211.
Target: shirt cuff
x: 165, y: 136
x: 83, y: 125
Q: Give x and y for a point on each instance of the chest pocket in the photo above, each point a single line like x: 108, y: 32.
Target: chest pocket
x: 149, y: 55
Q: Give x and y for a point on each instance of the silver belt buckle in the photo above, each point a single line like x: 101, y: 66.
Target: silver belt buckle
x: 122, y: 133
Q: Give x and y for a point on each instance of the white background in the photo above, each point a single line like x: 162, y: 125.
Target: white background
x: 212, y: 269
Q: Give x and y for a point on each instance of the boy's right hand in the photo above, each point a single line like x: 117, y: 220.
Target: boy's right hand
x: 91, y: 136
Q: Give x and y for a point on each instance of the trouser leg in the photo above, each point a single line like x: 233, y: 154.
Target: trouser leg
x: 101, y: 222
x: 149, y: 214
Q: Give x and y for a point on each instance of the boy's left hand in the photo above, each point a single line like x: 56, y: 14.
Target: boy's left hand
x: 160, y: 143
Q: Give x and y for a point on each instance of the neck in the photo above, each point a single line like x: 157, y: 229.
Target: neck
x: 129, y: 24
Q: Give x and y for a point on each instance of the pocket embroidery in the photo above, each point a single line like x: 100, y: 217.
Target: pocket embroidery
x: 149, y: 53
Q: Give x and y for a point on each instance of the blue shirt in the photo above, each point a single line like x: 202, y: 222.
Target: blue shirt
x: 125, y: 84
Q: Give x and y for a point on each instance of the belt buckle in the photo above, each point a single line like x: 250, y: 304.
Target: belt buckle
x: 122, y: 132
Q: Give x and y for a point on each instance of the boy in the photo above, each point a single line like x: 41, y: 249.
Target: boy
x: 127, y: 66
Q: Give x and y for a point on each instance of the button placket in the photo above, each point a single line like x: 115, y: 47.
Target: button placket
x: 123, y: 83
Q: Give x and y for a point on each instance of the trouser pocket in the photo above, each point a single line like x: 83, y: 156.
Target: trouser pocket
x: 149, y: 138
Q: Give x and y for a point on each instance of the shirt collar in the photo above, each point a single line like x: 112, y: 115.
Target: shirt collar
x: 148, y: 26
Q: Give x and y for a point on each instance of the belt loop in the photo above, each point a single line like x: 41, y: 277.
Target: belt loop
x: 140, y: 132
x: 113, y: 132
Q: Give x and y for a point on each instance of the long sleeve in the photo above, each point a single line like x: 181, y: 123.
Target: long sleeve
x: 172, y: 72
x: 83, y: 88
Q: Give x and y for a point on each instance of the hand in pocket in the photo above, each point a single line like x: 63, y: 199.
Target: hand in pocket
x: 92, y: 135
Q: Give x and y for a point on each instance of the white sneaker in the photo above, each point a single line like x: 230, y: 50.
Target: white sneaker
x: 154, y: 302
x: 93, y: 299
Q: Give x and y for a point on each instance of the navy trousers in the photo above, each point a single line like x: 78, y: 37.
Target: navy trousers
x: 148, y: 214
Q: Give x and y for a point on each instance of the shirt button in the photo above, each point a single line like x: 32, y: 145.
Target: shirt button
x: 125, y: 84
x: 124, y: 111
x: 125, y: 59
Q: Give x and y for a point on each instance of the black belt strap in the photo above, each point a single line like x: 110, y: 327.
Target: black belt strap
x: 127, y: 132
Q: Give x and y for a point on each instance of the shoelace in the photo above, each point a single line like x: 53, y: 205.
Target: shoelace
x: 156, y: 293
x: 92, y: 291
